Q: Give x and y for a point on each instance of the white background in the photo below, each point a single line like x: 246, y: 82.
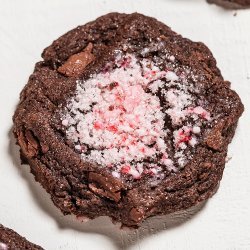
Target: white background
x: 28, y: 26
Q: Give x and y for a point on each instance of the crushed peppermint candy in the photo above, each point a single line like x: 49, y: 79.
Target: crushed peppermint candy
x: 3, y: 246
x: 116, y: 118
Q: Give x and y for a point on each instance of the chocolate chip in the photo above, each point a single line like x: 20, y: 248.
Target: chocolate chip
x: 28, y: 142
x: 136, y: 214
x: 215, y: 139
x: 105, y: 186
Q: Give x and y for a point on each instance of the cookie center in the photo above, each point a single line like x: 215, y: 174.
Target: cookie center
x: 126, y: 123
x: 116, y: 119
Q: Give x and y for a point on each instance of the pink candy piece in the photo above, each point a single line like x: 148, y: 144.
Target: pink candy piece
x: 133, y: 97
x: 202, y: 112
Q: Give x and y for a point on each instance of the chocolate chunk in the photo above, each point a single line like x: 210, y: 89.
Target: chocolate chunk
x: 76, y: 63
x: 136, y: 214
x: 105, y: 186
x: 215, y: 139
x: 28, y: 142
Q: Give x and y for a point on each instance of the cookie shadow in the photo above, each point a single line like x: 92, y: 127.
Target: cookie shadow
x: 122, y: 239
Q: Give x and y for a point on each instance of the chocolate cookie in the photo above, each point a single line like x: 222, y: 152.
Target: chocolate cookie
x: 126, y: 118
x: 232, y: 4
x: 10, y: 240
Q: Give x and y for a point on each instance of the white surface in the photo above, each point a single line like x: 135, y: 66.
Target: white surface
x: 28, y: 26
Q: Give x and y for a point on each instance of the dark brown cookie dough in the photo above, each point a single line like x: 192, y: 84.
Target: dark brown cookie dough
x: 126, y: 118
x: 232, y: 4
x: 10, y: 240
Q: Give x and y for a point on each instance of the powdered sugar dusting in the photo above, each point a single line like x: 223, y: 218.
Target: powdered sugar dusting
x: 117, y: 120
